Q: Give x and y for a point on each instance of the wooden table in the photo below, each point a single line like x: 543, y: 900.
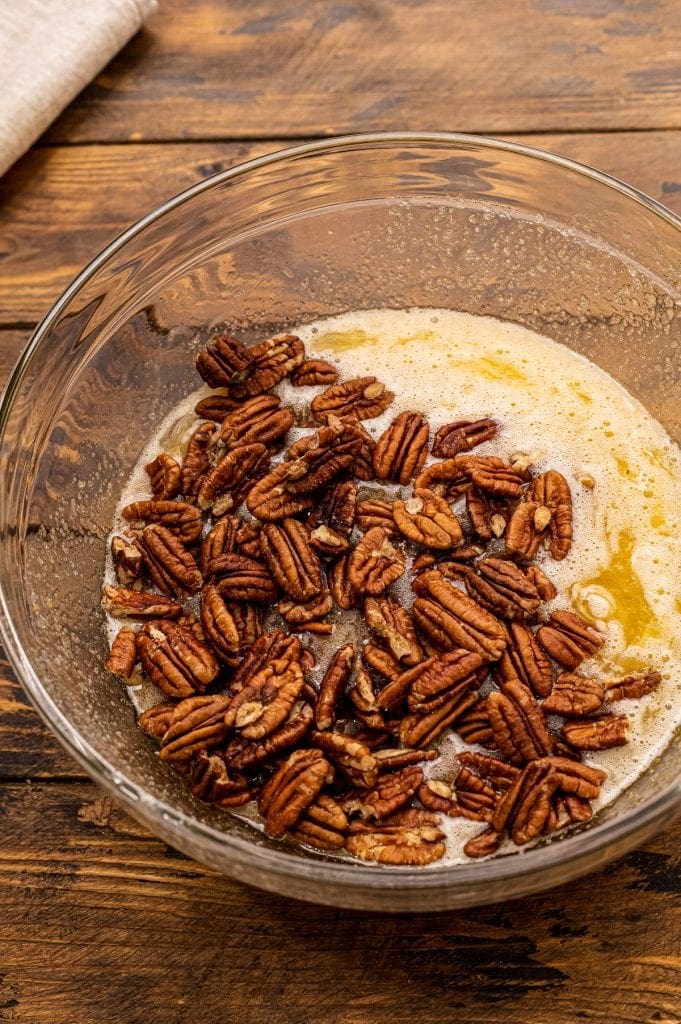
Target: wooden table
x: 100, y: 922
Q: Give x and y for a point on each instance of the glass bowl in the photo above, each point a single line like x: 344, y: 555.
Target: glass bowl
x: 385, y: 220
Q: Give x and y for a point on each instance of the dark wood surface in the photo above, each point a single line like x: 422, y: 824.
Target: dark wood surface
x: 100, y: 922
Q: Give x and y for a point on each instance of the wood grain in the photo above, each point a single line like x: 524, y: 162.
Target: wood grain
x: 258, y: 68
x: 102, y: 923
x: 62, y: 205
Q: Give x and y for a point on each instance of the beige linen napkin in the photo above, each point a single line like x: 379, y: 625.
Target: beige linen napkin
x: 49, y: 51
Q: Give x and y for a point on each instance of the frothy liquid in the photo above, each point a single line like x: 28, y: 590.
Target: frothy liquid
x: 624, y: 473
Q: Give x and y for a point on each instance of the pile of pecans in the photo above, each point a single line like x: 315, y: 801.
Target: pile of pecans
x: 249, y: 539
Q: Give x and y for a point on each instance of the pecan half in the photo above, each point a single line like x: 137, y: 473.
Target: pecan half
x: 220, y: 540
x: 270, y: 361
x: 433, y: 682
x: 524, y: 661
x: 316, y: 460
x: 127, y: 560
x: 381, y: 661
x: 551, y: 490
x: 461, y: 436
x: 214, y: 782
x: 402, y: 448
x: 164, y: 476
x: 502, y: 481
x: 483, y: 845
x: 350, y: 754
x: 248, y: 539
x: 266, y: 701
x: 576, y: 778
x: 410, y: 838
x: 373, y: 512
x: 393, y: 624
x: 500, y: 586
x: 292, y: 562
x: 219, y: 626
x: 418, y: 729
x: 136, y: 604
x: 215, y: 407
x: 269, y: 647
x: 169, y: 565
x: 238, y: 578
x: 568, y: 639
x: 225, y: 486
x: 242, y: 753
x: 333, y: 686
x: 451, y: 619
x: 475, y: 797
x: 390, y: 758
x: 525, y: 807
x: 298, y: 615
x: 436, y: 795
x: 260, y: 420
x: 322, y: 825
x: 391, y: 792
x: 248, y: 621
x: 375, y: 563
x: 449, y: 478
x: 154, y: 721
x: 474, y: 726
x: 269, y: 499
x: 293, y: 787
x: 488, y: 516
x: 636, y: 685
x: 314, y: 372
x: 335, y: 510
x: 574, y: 696
x: 525, y: 530
x: 174, y: 659
x: 542, y: 583
x: 499, y: 774
x: 361, y: 398
x: 363, y: 698
x: 197, y: 723
x: 196, y: 462
x: 427, y: 519
x: 123, y: 653
x: 518, y: 724
x: 327, y: 542
x: 180, y: 518
x: 224, y: 360
x: 597, y: 733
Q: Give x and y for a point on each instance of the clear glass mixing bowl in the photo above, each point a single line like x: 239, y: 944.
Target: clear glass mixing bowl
x: 386, y: 220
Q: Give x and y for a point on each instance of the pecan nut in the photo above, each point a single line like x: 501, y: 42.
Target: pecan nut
x: 155, y: 720
x: 224, y: 360
x: 169, y: 565
x: 636, y: 685
x: 180, y: 518
x: 525, y: 530
x: 375, y: 563
x: 164, y: 476
x: 391, y: 792
x: 476, y: 798
x: 394, y: 626
x: 238, y: 578
x: 402, y: 448
x: 176, y: 661
x: 266, y: 701
x: 219, y: 626
x: 542, y: 583
x: 127, y: 560
x: 242, y: 753
x: 220, y: 540
x: 333, y: 686
x: 499, y: 774
x: 451, y: 619
x: 196, y: 462
x: 225, y: 486
x: 568, y: 639
x: 436, y: 795
x: 380, y: 661
x: 260, y: 420
x: 362, y: 695
x: 474, y: 725
x: 524, y: 662
x: 313, y: 372
x: 123, y: 653
x: 136, y: 604
x: 418, y: 729
x: 293, y: 563
x: 427, y: 519
x: 197, y: 723
x: 488, y: 516
x: 483, y: 845
x: 410, y: 838
x: 294, y: 786
x: 525, y: 807
x: 461, y: 436
x: 518, y: 724
x: 316, y: 460
x: 500, y: 586
x: 269, y: 647
x: 552, y: 491
x: 373, y: 512
x: 361, y: 398
x: 340, y: 586
x: 214, y: 782
x: 297, y: 615
x: 575, y: 778
x: 323, y: 824
x: 335, y: 510
x: 597, y: 733
x: 269, y: 499
x: 215, y: 407
x: 574, y: 696
x: 350, y: 754
x: 270, y: 361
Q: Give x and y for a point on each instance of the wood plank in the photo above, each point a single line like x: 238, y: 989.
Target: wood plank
x: 62, y: 205
x: 101, y: 922
x: 256, y: 68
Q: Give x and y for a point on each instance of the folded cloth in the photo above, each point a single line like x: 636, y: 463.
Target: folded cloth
x: 50, y: 50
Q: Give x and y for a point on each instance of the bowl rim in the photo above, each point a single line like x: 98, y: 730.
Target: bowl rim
x: 280, y: 861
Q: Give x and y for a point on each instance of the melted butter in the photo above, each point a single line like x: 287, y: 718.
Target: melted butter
x: 578, y: 390
x: 492, y: 369
x: 345, y: 341
x: 627, y: 603
x: 623, y: 467
x: 659, y: 458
